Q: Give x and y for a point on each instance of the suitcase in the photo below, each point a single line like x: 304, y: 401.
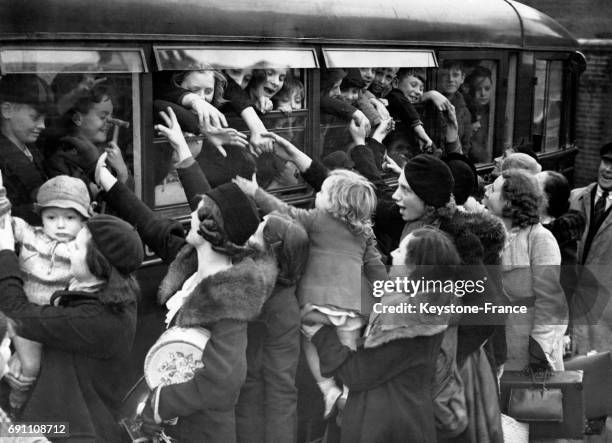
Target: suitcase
x: 597, y: 382
x: 570, y: 382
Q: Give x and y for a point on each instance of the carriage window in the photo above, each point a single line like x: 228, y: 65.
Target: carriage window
x: 547, y: 104
x: 359, y: 89
x: 471, y: 87
x: 90, y: 107
x: 255, y: 91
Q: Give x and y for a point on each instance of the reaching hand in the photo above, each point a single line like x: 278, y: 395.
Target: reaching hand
x: 285, y: 108
x: 384, y: 128
x: 260, y: 143
x: 264, y: 104
x: 115, y: 160
x: 391, y: 165
x: 361, y: 120
x: 282, y: 147
x: 249, y: 187
x: 358, y: 132
x: 172, y: 130
x: 207, y: 114
x: 439, y: 100
x: 452, y: 127
x: 225, y: 136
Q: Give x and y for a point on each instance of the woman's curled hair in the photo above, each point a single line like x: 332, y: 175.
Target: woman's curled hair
x: 220, y: 83
x: 523, y: 198
x: 557, y: 193
x: 212, y: 229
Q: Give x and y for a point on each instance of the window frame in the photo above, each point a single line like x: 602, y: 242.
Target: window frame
x: 564, y: 130
x: 501, y: 90
x: 82, y: 48
x: 233, y: 48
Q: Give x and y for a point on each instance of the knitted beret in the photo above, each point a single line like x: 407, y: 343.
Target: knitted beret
x: 118, y: 242
x: 430, y: 179
x: 240, y: 219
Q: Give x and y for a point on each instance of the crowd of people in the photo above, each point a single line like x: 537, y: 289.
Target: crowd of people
x: 270, y: 282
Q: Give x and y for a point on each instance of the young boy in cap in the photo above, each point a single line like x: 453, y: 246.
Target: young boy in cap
x: 25, y: 99
x: 44, y: 261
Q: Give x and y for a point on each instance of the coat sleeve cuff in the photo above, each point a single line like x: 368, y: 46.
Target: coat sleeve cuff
x: 315, y: 174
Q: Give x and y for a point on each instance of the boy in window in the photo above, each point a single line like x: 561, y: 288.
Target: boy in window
x: 381, y: 85
x: 25, y: 99
x: 450, y: 79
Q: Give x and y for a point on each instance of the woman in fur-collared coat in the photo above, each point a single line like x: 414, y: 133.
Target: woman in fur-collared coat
x: 213, y: 283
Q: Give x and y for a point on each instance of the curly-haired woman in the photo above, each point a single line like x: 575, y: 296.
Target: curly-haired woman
x: 531, y: 263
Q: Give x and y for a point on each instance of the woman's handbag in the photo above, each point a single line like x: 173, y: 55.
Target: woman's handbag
x: 552, y: 405
x: 537, y: 403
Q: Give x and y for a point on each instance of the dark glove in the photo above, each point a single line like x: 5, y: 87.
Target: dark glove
x: 537, y: 358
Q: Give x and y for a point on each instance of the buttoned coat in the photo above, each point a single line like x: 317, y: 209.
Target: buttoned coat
x: 591, y: 309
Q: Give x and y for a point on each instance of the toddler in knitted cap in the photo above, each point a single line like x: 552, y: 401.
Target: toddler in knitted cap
x: 44, y: 260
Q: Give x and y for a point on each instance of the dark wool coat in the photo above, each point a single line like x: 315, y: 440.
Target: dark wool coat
x: 86, y: 352
x: 223, y: 303
x: 22, y: 178
x: 389, y: 387
x: 267, y: 408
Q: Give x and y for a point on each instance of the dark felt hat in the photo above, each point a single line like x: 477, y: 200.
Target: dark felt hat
x: 28, y: 89
x: 430, y: 179
x: 465, y: 176
x: 118, y: 242
x: 240, y: 219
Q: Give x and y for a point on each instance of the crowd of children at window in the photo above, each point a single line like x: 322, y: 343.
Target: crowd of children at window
x: 255, y: 284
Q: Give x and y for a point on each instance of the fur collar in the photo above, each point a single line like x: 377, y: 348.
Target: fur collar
x: 182, y: 267
x: 386, y: 327
x: 237, y: 293
x: 489, y: 229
